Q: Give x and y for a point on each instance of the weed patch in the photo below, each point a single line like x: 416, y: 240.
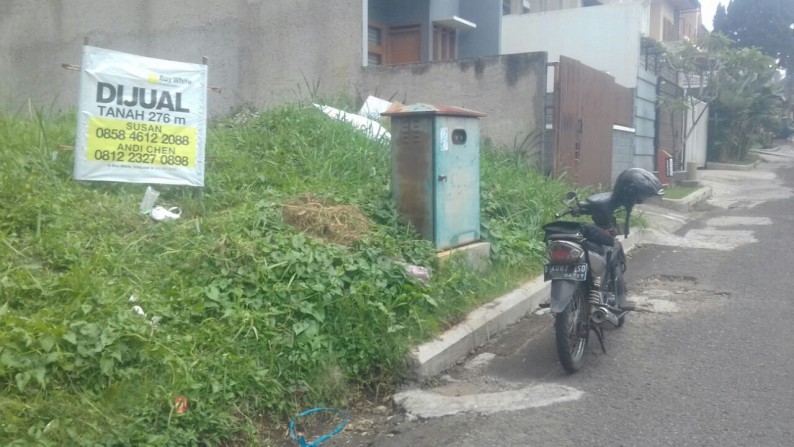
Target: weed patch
x: 282, y: 287
x: 679, y: 192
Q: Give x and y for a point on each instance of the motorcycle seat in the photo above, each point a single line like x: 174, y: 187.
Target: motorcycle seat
x: 600, y: 199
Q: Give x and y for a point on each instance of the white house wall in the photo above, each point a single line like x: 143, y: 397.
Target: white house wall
x: 698, y: 139
x: 604, y: 37
x: 661, y: 11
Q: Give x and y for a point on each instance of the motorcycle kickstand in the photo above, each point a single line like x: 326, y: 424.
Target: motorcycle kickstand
x: 600, y: 334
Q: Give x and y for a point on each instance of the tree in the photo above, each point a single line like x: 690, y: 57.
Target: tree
x: 767, y: 24
x: 741, y: 86
x: 764, y: 24
x: 720, y: 19
x: 748, y: 108
x: 696, y: 64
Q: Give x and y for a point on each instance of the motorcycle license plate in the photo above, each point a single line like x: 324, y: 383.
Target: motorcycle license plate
x: 574, y: 272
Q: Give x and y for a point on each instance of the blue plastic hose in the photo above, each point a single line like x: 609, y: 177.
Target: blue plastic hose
x: 302, y: 442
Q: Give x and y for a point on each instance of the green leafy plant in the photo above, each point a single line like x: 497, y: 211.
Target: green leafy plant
x: 107, y: 317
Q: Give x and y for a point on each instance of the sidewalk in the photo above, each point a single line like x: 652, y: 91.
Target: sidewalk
x: 723, y: 188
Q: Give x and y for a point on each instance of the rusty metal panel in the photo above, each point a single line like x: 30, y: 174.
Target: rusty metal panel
x: 412, y: 173
x: 587, y: 102
x: 429, y: 109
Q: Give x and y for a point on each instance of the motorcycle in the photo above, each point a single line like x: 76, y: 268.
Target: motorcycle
x: 586, y: 263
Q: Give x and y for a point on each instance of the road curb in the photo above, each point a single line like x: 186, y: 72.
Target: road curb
x: 686, y: 204
x: 432, y: 358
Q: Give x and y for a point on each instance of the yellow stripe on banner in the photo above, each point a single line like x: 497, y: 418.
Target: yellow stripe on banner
x: 123, y: 141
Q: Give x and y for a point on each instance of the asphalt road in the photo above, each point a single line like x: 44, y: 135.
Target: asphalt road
x: 709, y: 361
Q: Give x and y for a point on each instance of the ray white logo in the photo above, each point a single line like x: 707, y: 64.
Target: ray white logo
x: 155, y: 78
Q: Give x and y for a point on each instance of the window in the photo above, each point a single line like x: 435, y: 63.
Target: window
x: 377, y: 49
x: 444, y: 43
x: 400, y: 44
x: 404, y: 44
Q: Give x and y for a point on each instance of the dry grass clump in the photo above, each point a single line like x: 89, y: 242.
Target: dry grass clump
x: 322, y: 218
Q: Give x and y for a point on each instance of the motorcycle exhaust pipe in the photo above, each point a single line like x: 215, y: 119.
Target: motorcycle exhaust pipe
x: 602, y: 314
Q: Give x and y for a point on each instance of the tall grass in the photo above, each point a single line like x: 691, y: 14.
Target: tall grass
x: 246, y: 316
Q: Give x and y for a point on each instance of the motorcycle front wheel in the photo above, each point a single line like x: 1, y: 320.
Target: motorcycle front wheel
x: 571, y: 331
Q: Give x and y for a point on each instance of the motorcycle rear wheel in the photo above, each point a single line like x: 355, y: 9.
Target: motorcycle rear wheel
x: 571, y: 331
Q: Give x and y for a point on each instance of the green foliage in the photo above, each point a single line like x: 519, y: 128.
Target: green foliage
x: 679, y: 192
x: 514, y: 206
x: 766, y: 25
x: 748, y: 111
x: 742, y: 88
x: 246, y: 316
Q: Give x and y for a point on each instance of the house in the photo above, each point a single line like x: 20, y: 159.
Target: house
x: 485, y: 55
x: 615, y: 37
x: 410, y: 31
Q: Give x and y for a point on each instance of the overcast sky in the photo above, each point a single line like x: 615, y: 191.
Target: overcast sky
x: 707, y: 8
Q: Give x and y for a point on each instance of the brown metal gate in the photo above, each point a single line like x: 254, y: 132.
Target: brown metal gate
x: 587, y: 104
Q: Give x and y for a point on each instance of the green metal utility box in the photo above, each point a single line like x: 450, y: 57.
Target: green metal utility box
x: 436, y: 171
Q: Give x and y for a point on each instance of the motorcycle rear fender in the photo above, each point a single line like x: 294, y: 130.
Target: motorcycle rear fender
x: 561, y: 293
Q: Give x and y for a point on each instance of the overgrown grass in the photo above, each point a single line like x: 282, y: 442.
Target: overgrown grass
x: 247, y: 317
x: 679, y: 192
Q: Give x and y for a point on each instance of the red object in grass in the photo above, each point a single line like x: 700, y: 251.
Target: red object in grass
x: 180, y: 404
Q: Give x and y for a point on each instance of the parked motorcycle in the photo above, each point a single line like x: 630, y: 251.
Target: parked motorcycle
x: 586, y: 263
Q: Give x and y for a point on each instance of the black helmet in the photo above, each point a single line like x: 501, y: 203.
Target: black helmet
x: 634, y: 186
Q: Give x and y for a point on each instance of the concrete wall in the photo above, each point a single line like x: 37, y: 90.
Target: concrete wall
x: 696, y: 145
x: 622, y: 150
x: 483, y: 40
x: 552, y: 5
x: 509, y: 89
x: 262, y: 52
x: 259, y: 51
x: 661, y: 11
x: 605, y: 37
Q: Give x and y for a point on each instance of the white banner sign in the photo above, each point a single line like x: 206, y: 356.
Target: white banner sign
x: 141, y: 120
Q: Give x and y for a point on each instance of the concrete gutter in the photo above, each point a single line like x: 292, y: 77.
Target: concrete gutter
x: 432, y: 358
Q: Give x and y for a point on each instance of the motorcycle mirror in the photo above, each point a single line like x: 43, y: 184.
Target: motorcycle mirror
x: 570, y: 197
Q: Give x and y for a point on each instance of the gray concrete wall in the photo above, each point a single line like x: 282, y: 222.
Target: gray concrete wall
x: 509, y: 89
x: 483, y: 40
x: 262, y: 52
x: 622, y: 151
x: 259, y: 51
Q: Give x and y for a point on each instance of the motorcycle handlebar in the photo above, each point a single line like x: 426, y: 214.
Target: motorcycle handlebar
x: 563, y: 213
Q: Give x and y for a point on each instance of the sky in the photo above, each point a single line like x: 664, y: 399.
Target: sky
x: 707, y: 10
